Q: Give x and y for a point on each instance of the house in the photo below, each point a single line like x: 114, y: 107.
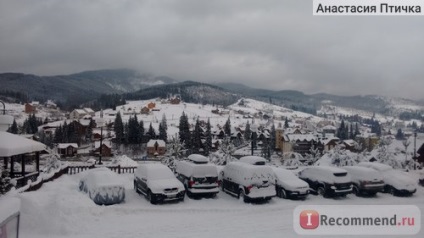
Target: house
x: 175, y: 101
x: 67, y: 149
x: 106, y: 148
x: 330, y: 143
x: 351, y: 145
x: 145, y: 110
x: 30, y: 108
x: 156, y: 147
x: 300, y: 143
x: 77, y: 114
x: 50, y: 104
x: 151, y: 105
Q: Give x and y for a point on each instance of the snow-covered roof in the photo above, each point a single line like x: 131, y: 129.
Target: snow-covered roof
x: 88, y: 110
x: 66, y: 145
x: 350, y: 142
x: 300, y: 137
x: 106, y: 143
x: 329, y: 127
x: 80, y: 111
x: 151, y: 143
x: 12, y: 144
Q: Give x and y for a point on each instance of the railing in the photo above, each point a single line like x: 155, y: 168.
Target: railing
x: 117, y: 169
x: 22, y: 181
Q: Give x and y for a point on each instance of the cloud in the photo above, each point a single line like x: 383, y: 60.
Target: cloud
x: 268, y: 44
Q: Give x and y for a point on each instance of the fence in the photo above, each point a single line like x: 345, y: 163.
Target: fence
x: 117, y: 169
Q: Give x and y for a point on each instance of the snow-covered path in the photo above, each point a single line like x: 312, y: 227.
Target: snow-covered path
x: 58, y: 209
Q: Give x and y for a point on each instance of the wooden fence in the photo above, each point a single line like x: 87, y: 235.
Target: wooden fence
x: 117, y: 169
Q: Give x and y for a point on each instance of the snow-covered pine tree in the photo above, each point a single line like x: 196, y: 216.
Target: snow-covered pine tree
x: 141, y: 132
x: 118, y: 128
x: 13, y: 128
x: 208, y: 139
x: 196, y: 143
x: 224, y: 155
x: 184, y: 130
x: 175, y: 152
x: 227, y: 127
x: 151, y: 132
x: 247, y: 131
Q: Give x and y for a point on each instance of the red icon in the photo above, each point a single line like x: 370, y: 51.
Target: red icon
x: 309, y: 219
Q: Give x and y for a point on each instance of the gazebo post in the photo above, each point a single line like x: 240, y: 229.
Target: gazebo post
x: 5, y: 163
x: 37, y: 161
x: 23, y: 165
x: 12, y: 172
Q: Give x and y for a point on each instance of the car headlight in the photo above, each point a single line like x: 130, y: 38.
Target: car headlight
x: 333, y: 187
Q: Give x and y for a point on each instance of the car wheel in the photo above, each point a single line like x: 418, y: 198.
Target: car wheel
x: 355, y: 190
x: 283, y: 193
x: 321, y: 191
x: 242, y: 196
x: 150, y: 197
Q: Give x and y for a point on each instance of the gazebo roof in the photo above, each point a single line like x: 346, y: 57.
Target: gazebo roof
x: 11, y: 144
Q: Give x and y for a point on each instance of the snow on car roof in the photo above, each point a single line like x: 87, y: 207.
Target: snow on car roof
x: 196, y: 170
x: 329, y: 168
x: 197, y: 158
x: 252, y: 159
x: 155, y: 171
x: 377, y: 166
x: 100, y: 177
x: 362, y: 172
x: 12, y: 144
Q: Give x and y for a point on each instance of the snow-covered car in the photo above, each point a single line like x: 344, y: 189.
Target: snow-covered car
x: 254, y: 160
x: 365, y: 180
x: 198, y: 176
x: 157, y: 183
x: 396, y: 182
x: 103, y: 186
x: 421, y: 179
x: 327, y: 181
x: 248, y: 182
x: 289, y: 185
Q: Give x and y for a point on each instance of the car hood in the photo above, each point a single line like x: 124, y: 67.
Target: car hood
x: 162, y: 184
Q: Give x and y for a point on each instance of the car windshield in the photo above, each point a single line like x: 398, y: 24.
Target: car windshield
x: 158, y: 174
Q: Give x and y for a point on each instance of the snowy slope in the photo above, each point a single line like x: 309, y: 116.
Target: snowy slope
x: 58, y: 209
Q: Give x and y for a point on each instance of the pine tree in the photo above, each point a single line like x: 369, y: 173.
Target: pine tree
x: 272, y: 137
x: 118, y: 128
x: 399, y: 135
x: 126, y: 134
x: 133, y: 130
x: 184, y: 130
x: 227, y: 148
x: 151, y: 133
x: 208, y: 140
x: 197, y: 143
x: 141, y: 132
x: 351, y: 132
x: 164, y: 122
x: 58, y: 135
x: 13, y: 128
x: 162, y: 131
x: 247, y: 132
x: 357, y: 130
x: 286, y: 123
x: 227, y: 127
x: 254, y: 141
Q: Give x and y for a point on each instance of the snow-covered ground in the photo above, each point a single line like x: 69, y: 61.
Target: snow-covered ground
x: 58, y: 209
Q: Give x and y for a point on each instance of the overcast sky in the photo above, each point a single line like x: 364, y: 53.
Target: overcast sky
x: 271, y: 44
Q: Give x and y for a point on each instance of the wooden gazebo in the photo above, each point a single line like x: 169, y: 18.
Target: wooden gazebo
x: 15, y: 148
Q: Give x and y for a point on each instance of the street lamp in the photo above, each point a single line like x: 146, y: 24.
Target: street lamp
x: 415, y: 150
x: 5, y: 120
x: 100, y: 122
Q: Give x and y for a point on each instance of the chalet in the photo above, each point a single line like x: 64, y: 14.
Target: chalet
x: 330, y: 143
x: 175, y: 101
x: 351, y: 145
x: 77, y: 114
x: 30, y: 108
x: 67, y: 149
x: 106, y: 148
x: 329, y: 129
x: 156, y: 147
x: 151, y: 105
x: 145, y: 110
x: 300, y: 143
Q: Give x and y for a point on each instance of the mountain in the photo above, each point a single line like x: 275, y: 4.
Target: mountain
x: 297, y: 100
x: 80, y: 87
x: 189, y: 91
